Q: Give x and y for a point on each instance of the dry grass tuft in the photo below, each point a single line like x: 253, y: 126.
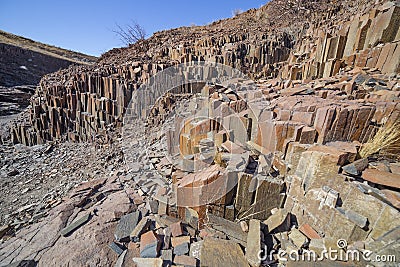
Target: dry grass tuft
x: 218, y: 160
x: 386, y: 142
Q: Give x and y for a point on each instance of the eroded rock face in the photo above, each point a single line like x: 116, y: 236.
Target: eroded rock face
x: 21, y: 66
x: 25, y: 62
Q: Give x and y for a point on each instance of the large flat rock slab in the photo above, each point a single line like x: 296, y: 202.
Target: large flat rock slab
x: 86, y: 245
x: 217, y: 252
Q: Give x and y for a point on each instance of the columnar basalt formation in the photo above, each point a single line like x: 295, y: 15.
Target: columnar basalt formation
x: 215, y: 160
x: 310, y: 117
x: 83, y: 101
x: 368, y: 40
x: 82, y: 104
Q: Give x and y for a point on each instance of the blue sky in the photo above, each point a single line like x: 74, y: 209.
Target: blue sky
x: 87, y: 25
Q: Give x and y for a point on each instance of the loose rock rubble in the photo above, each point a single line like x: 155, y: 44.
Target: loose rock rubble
x: 35, y: 179
x: 234, y: 172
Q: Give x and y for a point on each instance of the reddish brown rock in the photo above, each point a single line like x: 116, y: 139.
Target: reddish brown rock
x: 308, y: 231
x: 149, y: 245
x: 382, y: 178
x: 176, y: 229
x: 393, y: 197
x: 176, y: 241
x: 185, y: 261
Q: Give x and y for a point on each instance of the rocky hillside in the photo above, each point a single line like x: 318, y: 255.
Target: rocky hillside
x: 25, y: 62
x: 259, y: 140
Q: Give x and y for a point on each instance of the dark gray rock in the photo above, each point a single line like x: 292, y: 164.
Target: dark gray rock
x: 116, y: 248
x: 13, y: 172
x: 356, y: 167
x: 75, y: 225
x: 23, y: 263
x: 150, y: 245
x: 353, y: 216
x: 126, y: 225
x: 181, y: 249
x: 153, y: 206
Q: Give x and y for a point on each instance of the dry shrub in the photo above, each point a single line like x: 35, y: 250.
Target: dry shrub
x: 218, y: 160
x: 131, y: 33
x: 386, y: 142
